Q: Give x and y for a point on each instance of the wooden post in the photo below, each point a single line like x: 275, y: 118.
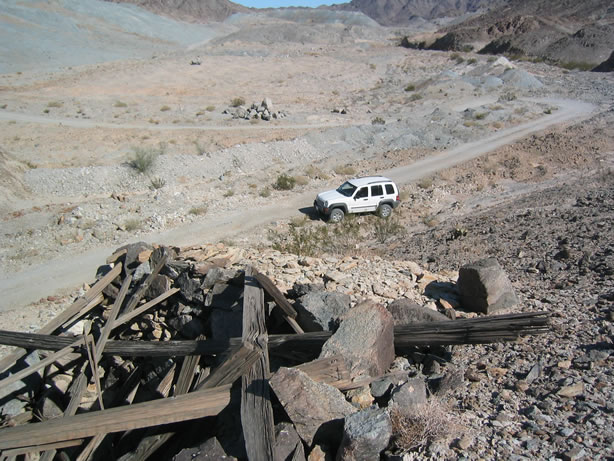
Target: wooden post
x: 256, y: 409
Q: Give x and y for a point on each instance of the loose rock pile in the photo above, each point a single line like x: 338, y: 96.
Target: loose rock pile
x: 263, y: 111
x: 187, y: 323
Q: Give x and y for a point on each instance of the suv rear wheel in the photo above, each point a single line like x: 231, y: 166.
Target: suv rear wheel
x: 336, y: 215
x: 384, y: 210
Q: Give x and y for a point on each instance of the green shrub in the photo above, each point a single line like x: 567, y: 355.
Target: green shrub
x: 229, y: 193
x: 198, y: 210
x: 55, y: 104
x: 120, y: 104
x: 210, y: 108
x: 472, y: 61
x: 266, y: 192
x: 236, y: 102
x: 284, y: 182
x: 481, y: 115
x: 164, y: 108
x: 143, y: 159
x: 415, y: 97
x: 410, y: 87
x: 385, y: 229
x: 132, y: 224
x: 157, y: 182
x: 378, y: 121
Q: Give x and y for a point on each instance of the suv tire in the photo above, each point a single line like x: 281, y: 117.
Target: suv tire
x: 384, y: 210
x: 336, y: 215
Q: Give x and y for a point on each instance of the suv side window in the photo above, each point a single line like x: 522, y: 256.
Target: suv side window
x: 389, y: 189
x: 362, y: 193
x: 376, y: 191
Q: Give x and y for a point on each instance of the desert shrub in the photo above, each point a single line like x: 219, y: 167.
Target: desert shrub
x: 372, y: 66
x: 157, y: 182
x: 298, y: 221
x: 425, y: 183
x: 3, y: 106
x: 236, y: 102
x: 472, y: 61
x: 481, y: 115
x: 164, y: 108
x: 404, y: 195
x: 45, y: 111
x: 229, y: 193
x: 120, y: 104
x: 301, y: 241
x: 417, y: 428
x: 200, y: 149
x: 210, y: 108
x: 143, y: 158
x: 430, y: 221
x: 132, y: 224
x: 385, y: 229
x: 344, y: 170
x: 198, y: 210
x: 548, y: 111
x: 284, y: 182
x: 410, y: 87
x: 378, y: 121
x: 573, y: 65
x: 55, y: 104
x: 415, y: 97
x: 265, y: 192
x: 468, y: 123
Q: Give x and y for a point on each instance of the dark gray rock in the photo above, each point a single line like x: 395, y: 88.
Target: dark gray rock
x: 191, y: 289
x: 286, y: 442
x: 130, y: 259
x: 321, y: 310
x: 405, y: 311
x: 211, y: 450
x: 365, y: 435
x: 141, y: 271
x: 226, y: 323
x: 10, y: 405
x: 188, y: 326
x: 409, y: 395
x: 484, y: 287
x: 365, y: 339
x: 316, y: 409
x: 225, y: 296
x: 217, y: 275
x: 159, y: 285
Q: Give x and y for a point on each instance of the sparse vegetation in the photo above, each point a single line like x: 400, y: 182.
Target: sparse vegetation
x: 236, y: 102
x: 200, y: 149
x: 301, y: 180
x: 284, y: 182
x: 55, y: 104
x: 157, y: 182
x: 265, y: 192
x: 210, y: 108
x: 415, y: 97
x: 481, y: 115
x: 410, y: 87
x: 132, y: 225
x: 198, y: 210
x: 120, y: 104
x: 385, y: 229
x: 143, y: 158
x: 344, y: 170
x: 576, y: 65
x: 425, y: 183
x: 164, y: 108
x: 472, y: 61
x: 378, y: 121
x: 229, y: 193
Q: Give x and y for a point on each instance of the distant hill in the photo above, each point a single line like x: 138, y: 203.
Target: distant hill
x: 401, y: 12
x: 574, y: 33
x: 203, y: 11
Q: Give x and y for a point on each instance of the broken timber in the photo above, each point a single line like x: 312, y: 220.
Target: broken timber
x: 449, y: 332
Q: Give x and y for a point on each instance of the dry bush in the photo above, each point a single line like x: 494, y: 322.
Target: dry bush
x: 301, y: 180
x: 417, y: 429
x: 344, y: 170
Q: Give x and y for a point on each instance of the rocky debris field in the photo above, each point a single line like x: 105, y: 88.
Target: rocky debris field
x: 370, y: 375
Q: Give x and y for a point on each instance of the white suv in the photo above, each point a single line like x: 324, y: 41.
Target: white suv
x: 359, y: 195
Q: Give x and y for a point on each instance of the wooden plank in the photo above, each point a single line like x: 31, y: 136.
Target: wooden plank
x: 41, y: 364
x: 164, y: 411
x: 138, y: 294
x: 256, y: 409
x: 106, y: 331
x: 136, y: 312
x: 115, y: 256
x: 241, y: 360
x: 89, y: 347
x: 288, y: 310
x: 42, y: 447
x: 77, y: 308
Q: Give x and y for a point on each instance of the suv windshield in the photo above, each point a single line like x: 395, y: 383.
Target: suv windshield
x: 346, y: 189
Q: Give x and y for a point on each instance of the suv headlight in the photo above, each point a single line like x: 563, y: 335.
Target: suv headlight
x: 326, y: 204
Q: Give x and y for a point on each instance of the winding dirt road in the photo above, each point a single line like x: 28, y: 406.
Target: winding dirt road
x: 23, y: 288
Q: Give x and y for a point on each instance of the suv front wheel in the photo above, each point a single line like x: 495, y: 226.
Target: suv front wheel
x: 336, y: 215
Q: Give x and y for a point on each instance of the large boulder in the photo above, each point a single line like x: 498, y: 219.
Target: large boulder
x: 317, y: 410
x: 321, y: 310
x: 365, y: 435
x: 484, y: 287
x: 365, y: 339
x: 405, y: 312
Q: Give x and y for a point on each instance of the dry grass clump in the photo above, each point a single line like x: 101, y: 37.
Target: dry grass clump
x: 417, y: 429
x: 344, y: 170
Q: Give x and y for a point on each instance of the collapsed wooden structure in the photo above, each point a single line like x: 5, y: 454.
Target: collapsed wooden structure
x: 187, y: 391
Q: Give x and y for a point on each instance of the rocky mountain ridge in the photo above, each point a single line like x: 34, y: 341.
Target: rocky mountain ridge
x: 190, y: 10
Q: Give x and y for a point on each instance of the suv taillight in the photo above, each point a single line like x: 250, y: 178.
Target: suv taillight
x: 398, y: 198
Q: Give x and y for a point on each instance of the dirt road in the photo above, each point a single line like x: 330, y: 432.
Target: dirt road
x: 70, y: 271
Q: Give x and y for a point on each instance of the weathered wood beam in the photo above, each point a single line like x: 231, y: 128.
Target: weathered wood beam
x: 289, y: 313
x: 145, y: 307
x: 256, y: 409
x: 77, y: 309
x: 164, y: 411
